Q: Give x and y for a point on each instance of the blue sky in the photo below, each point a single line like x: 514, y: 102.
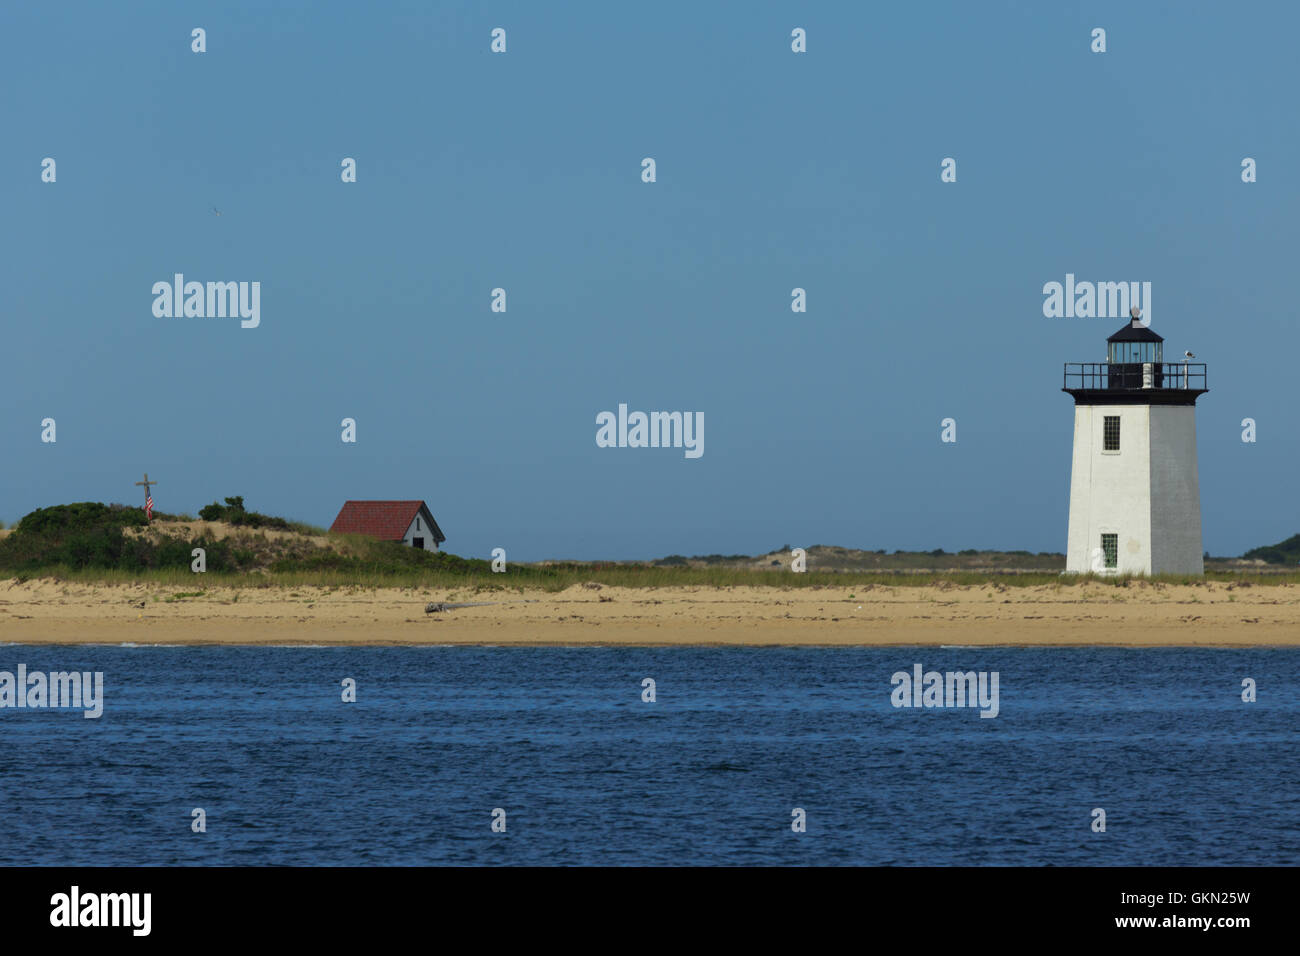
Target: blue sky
x: 523, y: 171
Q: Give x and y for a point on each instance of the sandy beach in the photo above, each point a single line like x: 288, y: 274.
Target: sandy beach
x: 1142, y: 614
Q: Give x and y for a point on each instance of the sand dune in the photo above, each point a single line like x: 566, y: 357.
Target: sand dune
x: 220, y: 530
x: 49, y: 611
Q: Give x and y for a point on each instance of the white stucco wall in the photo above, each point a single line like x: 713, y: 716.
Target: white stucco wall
x: 1110, y: 492
x: 1175, y: 492
x: 423, y: 531
x: 1148, y: 493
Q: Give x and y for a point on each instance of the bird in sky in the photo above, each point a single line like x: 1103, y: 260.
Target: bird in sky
x: 1188, y: 355
x: 216, y: 210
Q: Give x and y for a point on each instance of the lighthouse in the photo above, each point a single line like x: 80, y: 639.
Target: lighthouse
x: 1135, y: 502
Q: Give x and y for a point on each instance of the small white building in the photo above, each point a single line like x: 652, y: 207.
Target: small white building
x: 409, y: 522
x: 1135, y: 501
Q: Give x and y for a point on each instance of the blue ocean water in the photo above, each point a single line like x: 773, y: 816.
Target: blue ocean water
x: 709, y: 773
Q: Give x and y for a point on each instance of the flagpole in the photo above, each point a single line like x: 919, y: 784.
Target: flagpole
x: 148, y: 499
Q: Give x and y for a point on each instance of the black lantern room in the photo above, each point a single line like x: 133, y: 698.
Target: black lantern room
x: 1135, y: 370
x: 1135, y: 354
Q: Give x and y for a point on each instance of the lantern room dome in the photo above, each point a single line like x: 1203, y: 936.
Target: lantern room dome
x: 1135, y: 343
x: 1135, y: 331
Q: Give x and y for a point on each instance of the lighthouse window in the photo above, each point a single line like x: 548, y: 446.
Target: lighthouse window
x: 1110, y: 550
x: 1110, y: 433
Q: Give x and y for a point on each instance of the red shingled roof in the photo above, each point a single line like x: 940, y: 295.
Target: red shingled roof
x: 386, y: 520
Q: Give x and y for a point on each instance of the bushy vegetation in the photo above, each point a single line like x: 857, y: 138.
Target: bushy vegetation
x: 82, y: 515
x: 1284, y: 552
x: 678, y: 560
x: 367, y: 558
x: 90, y: 534
x: 92, y: 537
x: 233, y: 512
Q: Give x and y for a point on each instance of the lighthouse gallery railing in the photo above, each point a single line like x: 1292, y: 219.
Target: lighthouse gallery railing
x: 1136, y: 376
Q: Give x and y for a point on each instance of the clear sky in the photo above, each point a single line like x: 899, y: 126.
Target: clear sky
x: 522, y: 171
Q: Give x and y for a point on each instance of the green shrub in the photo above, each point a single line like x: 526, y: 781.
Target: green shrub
x: 80, y: 516
x: 1284, y: 552
x: 233, y: 512
x: 89, y: 534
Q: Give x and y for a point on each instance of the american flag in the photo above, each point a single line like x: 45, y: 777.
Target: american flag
x: 148, y: 506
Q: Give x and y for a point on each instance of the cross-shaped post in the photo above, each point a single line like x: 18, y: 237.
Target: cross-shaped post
x: 148, y: 500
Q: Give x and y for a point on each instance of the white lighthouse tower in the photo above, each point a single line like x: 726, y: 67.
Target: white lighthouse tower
x: 1135, y: 502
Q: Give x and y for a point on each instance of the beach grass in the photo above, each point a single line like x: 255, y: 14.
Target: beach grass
x: 558, y: 577
x: 90, y: 542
